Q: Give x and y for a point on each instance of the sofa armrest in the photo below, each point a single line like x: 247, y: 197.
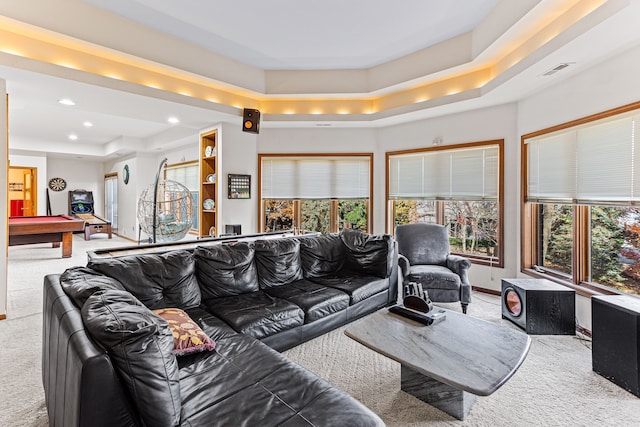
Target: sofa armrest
x: 459, y: 265
x: 81, y: 386
x: 403, y: 264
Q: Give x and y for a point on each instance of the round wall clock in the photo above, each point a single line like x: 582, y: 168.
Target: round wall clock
x: 57, y: 184
x: 125, y: 174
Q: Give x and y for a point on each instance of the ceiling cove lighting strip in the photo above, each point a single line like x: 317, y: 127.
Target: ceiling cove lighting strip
x: 23, y: 40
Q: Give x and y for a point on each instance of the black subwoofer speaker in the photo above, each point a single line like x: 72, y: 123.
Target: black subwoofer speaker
x: 251, y: 120
x: 233, y: 229
x: 615, y: 334
x: 539, y: 306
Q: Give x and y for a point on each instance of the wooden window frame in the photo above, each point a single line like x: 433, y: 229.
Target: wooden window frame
x: 529, y: 220
x: 440, y: 211
x: 297, y: 203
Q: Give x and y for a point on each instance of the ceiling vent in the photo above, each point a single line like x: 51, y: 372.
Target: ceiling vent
x: 557, y: 68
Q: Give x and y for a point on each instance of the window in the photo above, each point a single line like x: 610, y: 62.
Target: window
x: 458, y: 186
x: 315, y: 192
x: 187, y: 174
x: 581, y: 220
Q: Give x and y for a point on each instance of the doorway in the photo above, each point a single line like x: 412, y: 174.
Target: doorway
x: 22, y: 191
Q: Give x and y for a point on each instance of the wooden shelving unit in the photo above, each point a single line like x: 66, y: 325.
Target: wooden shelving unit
x: 208, y: 185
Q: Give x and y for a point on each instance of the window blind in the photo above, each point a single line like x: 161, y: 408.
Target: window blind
x: 315, y: 177
x: 186, y: 175
x: 592, y: 164
x: 457, y: 174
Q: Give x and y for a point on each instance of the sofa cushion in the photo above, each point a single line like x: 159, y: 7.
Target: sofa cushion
x: 316, y: 300
x: 269, y: 389
x: 188, y: 337
x: 82, y: 282
x: 257, y: 314
x: 434, y: 277
x: 231, y: 378
x: 358, y: 286
x: 157, y: 280
x: 278, y: 262
x: 141, y: 345
x: 215, y: 328
x: 226, y: 269
x: 367, y: 253
x: 321, y: 255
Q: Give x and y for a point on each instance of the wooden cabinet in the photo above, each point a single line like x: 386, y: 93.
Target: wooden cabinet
x: 209, y: 184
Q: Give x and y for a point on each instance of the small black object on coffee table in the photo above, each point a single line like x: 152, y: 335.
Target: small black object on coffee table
x: 428, y: 319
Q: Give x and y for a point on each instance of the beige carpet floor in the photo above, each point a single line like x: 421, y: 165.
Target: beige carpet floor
x: 554, y: 387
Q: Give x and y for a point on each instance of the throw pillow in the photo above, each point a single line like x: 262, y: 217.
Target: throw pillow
x: 188, y: 337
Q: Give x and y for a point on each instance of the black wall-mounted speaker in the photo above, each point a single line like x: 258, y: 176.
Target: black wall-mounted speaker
x: 251, y: 120
x: 539, y: 306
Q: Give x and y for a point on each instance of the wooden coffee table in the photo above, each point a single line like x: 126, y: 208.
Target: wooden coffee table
x: 448, y: 363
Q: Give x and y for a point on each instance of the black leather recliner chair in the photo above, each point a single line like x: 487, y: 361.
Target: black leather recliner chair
x: 424, y: 257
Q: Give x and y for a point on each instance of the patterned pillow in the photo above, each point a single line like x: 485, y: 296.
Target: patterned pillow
x: 188, y: 337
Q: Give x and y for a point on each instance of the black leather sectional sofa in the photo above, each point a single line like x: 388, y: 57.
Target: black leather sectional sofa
x: 109, y: 361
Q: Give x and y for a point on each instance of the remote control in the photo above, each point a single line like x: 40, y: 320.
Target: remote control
x: 425, y: 319
x: 410, y: 314
x: 437, y: 316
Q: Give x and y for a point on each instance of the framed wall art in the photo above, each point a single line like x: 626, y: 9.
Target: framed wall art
x: 239, y: 186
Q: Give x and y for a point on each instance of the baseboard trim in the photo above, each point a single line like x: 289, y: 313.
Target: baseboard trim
x: 486, y: 291
x: 584, y: 331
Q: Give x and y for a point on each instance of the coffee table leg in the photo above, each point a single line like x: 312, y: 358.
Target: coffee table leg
x: 453, y: 401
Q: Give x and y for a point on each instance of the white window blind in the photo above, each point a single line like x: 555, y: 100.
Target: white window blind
x: 596, y: 163
x: 457, y: 174
x: 186, y: 175
x: 315, y: 177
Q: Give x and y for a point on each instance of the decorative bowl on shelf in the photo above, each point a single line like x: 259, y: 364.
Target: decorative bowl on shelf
x: 212, y: 231
x: 210, y: 151
x: 211, y: 177
x: 208, y: 204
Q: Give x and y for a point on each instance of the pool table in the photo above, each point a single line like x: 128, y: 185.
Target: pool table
x: 56, y: 229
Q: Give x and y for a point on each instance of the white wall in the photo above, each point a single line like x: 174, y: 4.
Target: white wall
x: 186, y: 153
x: 237, y: 154
x: 610, y: 84
x: 472, y: 126
x: 80, y: 175
x: 330, y: 140
x: 4, y: 171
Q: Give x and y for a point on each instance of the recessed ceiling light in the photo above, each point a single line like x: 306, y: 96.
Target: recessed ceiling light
x: 173, y: 120
x: 66, y: 101
x: 87, y: 124
x: 73, y: 136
